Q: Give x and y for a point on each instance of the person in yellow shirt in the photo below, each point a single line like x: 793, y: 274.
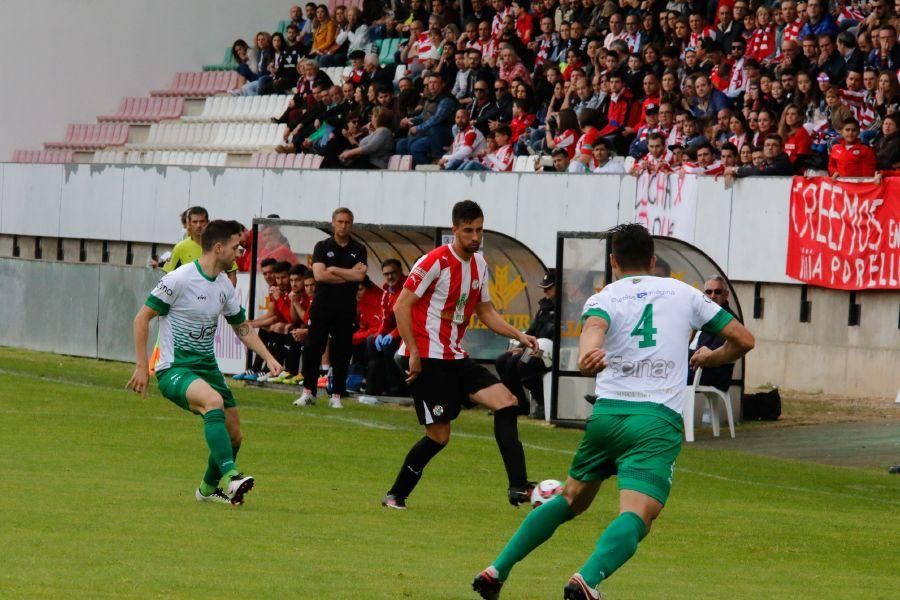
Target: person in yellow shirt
x: 188, y: 250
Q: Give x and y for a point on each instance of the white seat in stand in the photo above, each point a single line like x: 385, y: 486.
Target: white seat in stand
x: 712, y: 395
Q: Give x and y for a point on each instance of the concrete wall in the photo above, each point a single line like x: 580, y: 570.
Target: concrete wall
x: 68, y: 61
x: 824, y: 354
x: 743, y: 228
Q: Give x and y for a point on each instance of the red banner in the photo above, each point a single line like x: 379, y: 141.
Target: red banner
x: 845, y: 235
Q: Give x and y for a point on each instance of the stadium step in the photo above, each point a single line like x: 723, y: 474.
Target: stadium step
x: 146, y: 110
x: 202, y: 84
x: 92, y: 137
x: 44, y: 156
x: 243, y: 109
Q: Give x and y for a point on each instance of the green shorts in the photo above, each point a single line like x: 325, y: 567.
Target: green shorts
x: 174, y: 382
x: 640, y: 446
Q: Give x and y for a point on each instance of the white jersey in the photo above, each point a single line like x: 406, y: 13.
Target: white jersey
x: 189, y: 303
x: 650, y: 322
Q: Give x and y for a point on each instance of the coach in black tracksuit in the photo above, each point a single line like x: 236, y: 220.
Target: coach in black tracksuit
x: 339, y: 264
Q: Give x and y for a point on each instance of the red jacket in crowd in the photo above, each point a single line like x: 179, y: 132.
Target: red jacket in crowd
x: 623, y: 112
x: 369, y: 309
x: 388, y: 320
x: 856, y: 160
x: 797, y: 145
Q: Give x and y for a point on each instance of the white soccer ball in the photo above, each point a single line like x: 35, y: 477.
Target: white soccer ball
x: 544, y: 492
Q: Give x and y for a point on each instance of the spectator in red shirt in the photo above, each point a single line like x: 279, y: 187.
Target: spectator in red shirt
x: 383, y: 376
x: 521, y: 120
x: 524, y: 20
x: 296, y: 328
x: 278, y: 316
x: 368, y: 311
x: 850, y: 157
x: 797, y: 141
x: 274, y: 245
x: 511, y: 68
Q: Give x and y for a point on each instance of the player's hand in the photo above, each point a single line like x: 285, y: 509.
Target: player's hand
x: 415, y: 367
x: 139, y: 380
x: 298, y: 334
x: 274, y: 367
x: 700, y: 357
x: 592, y: 362
x: 528, y: 341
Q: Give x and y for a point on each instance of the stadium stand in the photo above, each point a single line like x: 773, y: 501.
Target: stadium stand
x: 92, y: 137
x: 146, y: 110
x: 243, y: 109
x: 43, y: 156
x: 202, y: 84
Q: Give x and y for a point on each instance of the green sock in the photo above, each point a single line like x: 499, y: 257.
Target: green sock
x: 213, y: 475
x: 536, y: 529
x: 218, y: 440
x: 617, y: 544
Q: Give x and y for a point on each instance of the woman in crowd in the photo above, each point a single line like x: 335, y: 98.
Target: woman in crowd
x: 766, y: 124
x: 887, y: 94
x: 807, y: 97
x: 375, y: 149
x: 739, y: 130
x: 324, y: 34
x: 797, y: 141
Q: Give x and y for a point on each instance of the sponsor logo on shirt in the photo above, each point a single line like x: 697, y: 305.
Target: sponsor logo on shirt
x: 204, y: 334
x: 476, y: 284
x: 164, y: 288
x: 201, y: 297
x: 329, y: 254
x: 652, y: 369
x: 438, y: 410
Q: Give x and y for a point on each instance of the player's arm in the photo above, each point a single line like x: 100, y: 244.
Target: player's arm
x: 267, y: 320
x: 141, y: 375
x: 403, y: 313
x: 324, y: 275
x: 738, y: 342
x: 591, y: 355
x: 251, y: 340
x: 488, y: 315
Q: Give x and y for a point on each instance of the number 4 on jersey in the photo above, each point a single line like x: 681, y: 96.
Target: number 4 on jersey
x: 644, y: 329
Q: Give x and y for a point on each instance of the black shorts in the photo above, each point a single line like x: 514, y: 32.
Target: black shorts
x: 443, y: 387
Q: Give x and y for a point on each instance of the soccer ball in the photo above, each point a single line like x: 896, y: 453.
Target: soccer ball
x: 544, y: 491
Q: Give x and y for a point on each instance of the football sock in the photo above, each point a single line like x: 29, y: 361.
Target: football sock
x: 617, y: 544
x: 506, y: 432
x: 411, y: 471
x: 219, y: 441
x: 213, y: 475
x: 536, y: 529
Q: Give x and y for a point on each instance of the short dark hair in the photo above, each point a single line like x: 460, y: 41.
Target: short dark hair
x: 392, y: 262
x: 309, y: 275
x: 283, y: 266
x: 632, y: 245
x: 466, y: 211
x: 850, y: 121
x: 195, y: 210
x: 298, y: 269
x: 342, y: 210
x: 503, y: 130
x: 218, y: 232
x: 267, y: 262
x: 730, y: 146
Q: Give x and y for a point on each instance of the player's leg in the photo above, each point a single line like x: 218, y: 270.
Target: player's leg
x: 497, y: 398
x: 341, y: 351
x: 645, y: 471
x: 433, y: 382
x: 207, y: 401
x: 538, y: 527
x: 213, y: 475
x: 436, y: 438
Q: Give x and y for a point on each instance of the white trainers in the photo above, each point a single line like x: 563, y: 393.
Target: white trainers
x: 217, y: 496
x: 307, y: 398
x: 262, y: 378
x: 238, y: 486
x: 335, y: 401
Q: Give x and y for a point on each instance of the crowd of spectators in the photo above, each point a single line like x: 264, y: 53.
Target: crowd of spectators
x: 717, y: 87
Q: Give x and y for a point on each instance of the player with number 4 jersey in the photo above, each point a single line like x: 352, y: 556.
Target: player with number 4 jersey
x: 635, y: 341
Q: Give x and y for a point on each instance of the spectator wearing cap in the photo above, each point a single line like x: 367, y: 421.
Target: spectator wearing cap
x: 638, y: 147
x: 774, y: 161
x: 518, y: 374
x: 850, y: 157
x: 708, y: 101
x: 357, y: 70
x: 430, y: 129
x: 602, y: 159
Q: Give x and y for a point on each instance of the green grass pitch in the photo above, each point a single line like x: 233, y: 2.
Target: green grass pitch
x: 96, y: 500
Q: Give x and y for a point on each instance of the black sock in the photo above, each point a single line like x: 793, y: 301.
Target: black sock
x: 411, y: 471
x: 506, y: 432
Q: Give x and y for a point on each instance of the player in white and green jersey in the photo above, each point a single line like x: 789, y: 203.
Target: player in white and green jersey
x: 635, y: 340
x: 188, y: 302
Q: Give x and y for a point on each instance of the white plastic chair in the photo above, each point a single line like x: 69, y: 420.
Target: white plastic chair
x: 711, y: 395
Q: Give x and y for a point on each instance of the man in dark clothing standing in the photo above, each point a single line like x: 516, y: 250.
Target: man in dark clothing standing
x: 517, y: 374
x: 716, y: 289
x: 339, y: 264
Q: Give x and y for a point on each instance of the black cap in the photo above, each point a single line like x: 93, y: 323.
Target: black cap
x: 549, y: 279
x: 676, y: 147
x: 651, y: 108
x: 356, y: 54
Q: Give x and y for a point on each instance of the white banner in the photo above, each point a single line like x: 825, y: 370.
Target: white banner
x: 230, y: 352
x: 666, y: 204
